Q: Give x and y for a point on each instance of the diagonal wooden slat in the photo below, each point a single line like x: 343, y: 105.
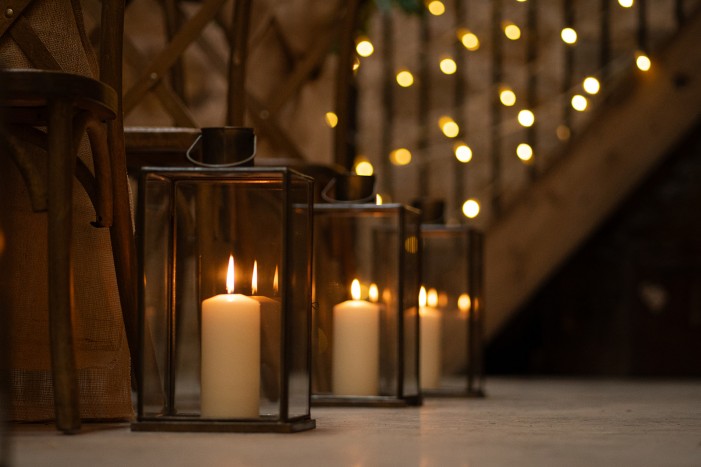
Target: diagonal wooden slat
x: 301, y: 72
x: 166, y: 95
x: 161, y: 63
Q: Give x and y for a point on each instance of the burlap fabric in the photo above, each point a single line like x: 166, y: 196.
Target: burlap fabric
x: 102, y: 352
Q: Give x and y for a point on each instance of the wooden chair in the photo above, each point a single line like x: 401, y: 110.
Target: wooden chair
x: 69, y: 105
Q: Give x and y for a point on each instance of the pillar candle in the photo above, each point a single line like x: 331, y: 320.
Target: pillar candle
x: 230, y: 371
x: 356, y: 346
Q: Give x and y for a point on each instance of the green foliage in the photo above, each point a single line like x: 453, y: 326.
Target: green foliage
x: 407, y: 6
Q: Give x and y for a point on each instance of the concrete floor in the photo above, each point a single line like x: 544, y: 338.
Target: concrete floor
x: 522, y: 422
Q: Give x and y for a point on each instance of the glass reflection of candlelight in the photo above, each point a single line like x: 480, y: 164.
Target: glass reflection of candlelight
x: 432, y: 298
x: 464, y: 304
x: 275, y: 286
x: 373, y: 293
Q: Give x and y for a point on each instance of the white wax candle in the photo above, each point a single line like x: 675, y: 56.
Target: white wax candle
x: 430, y: 344
x: 230, y: 372
x: 356, y: 348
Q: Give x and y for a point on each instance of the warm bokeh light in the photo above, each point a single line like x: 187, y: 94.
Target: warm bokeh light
x: 356, y: 63
x: 405, y: 78
x: 643, y: 62
x: 411, y: 245
x: 435, y: 7
x: 471, y: 208
x: 364, y: 47
x: 364, y: 168
x: 469, y: 40
x: 563, y: 132
x: 331, y: 119
x: 526, y: 118
x: 464, y: 303
x: 626, y: 3
x: 442, y: 299
x: 569, y: 36
x: 524, y: 152
x: 463, y: 153
x: 448, y: 66
x: 400, y: 156
x: 507, y: 96
x: 450, y: 129
x: 378, y: 199
x: 591, y: 85
x: 579, y: 103
x: 511, y: 31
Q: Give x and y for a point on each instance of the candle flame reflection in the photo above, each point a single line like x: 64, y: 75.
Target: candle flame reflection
x: 464, y: 303
x: 355, y: 289
x: 432, y: 297
x: 230, y: 275
x: 422, y: 297
x: 373, y: 293
x: 275, y: 284
x: 254, y: 280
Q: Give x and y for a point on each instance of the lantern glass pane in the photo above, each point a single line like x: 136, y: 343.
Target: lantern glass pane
x: 452, y: 268
x: 362, y: 344
x: 216, y: 346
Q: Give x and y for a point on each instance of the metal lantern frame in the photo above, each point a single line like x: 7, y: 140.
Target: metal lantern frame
x: 404, y: 388
x: 471, y: 265
x: 291, y: 406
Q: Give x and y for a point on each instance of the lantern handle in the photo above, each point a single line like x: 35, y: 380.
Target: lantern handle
x: 205, y: 164
x: 325, y: 194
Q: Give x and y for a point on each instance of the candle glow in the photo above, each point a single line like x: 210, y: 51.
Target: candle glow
x: 230, y: 276
x: 254, y: 279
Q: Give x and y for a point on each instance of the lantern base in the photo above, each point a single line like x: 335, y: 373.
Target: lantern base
x: 216, y: 426
x: 365, y: 401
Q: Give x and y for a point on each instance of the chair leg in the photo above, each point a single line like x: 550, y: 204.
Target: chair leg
x: 61, y: 162
x: 123, y: 245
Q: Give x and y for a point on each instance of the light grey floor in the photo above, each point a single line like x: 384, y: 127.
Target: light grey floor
x: 529, y: 422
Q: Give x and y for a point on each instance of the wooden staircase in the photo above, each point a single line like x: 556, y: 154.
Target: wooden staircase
x: 628, y: 137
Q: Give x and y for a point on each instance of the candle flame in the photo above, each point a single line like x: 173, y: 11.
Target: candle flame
x: 464, y: 303
x: 378, y: 199
x: 432, y: 297
x: 355, y: 289
x: 275, y: 283
x: 422, y: 297
x: 373, y: 293
x: 254, y: 279
x: 230, y: 275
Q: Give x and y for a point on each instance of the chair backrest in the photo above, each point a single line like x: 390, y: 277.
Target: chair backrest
x: 209, y: 28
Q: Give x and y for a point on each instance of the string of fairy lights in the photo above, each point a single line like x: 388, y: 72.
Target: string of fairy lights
x: 579, y: 95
